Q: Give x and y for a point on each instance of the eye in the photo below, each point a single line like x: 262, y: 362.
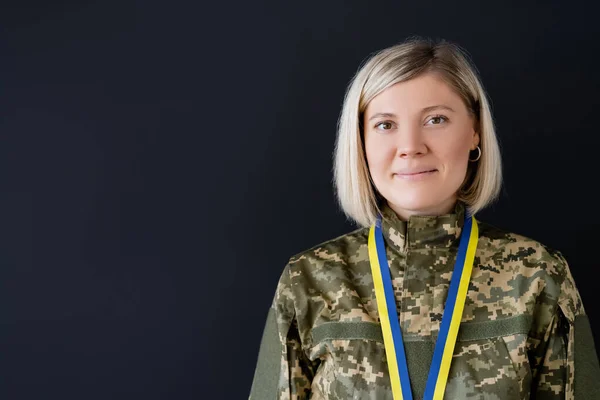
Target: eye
x: 437, y: 119
x: 384, y: 126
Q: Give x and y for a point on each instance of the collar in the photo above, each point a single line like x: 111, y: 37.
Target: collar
x: 421, y: 231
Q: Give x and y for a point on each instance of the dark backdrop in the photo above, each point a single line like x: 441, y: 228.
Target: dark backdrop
x: 161, y: 161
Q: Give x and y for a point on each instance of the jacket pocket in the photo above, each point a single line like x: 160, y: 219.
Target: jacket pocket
x: 353, y: 363
x: 482, y: 369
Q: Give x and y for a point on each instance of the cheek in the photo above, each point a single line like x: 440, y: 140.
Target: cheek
x: 455, y: 158
x: 378, y: 153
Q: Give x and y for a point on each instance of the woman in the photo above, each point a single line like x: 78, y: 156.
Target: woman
x: 424, y: 301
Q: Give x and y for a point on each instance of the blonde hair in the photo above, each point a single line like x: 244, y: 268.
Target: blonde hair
x: 356, y: 194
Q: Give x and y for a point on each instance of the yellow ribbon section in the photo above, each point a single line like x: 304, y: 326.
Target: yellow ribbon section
x: 440, y: 386
x: 384, y: 318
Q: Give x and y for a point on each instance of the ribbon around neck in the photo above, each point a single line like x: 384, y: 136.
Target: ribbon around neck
x: 453, y: 309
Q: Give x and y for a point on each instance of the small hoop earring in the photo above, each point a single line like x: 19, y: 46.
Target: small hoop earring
x: 478, y: 155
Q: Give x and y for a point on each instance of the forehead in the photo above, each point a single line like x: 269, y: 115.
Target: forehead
x: 415, y: 94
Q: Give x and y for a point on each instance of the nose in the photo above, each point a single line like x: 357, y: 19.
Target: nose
x: 410, y: 142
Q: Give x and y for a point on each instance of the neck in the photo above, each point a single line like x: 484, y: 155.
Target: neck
x: 439, y: 209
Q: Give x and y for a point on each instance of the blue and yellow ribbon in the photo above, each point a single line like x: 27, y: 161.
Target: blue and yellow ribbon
x: 388, y: 315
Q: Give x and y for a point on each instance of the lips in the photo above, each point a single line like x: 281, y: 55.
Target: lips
x: 416, y: 172
x: 415, y: 175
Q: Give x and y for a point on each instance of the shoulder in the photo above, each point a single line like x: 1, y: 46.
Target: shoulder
x: 527, y: 255
x: 338, y: 251
x: 527, y: 265
x: 323, y: 268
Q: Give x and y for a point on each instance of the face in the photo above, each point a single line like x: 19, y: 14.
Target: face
x: 418, y: 135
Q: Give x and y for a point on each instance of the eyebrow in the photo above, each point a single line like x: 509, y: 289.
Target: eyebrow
x: 426, y: 109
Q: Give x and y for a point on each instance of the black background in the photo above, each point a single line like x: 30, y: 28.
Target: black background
x: 161, y: 161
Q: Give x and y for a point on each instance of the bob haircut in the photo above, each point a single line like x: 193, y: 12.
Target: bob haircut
x: 355, y: 191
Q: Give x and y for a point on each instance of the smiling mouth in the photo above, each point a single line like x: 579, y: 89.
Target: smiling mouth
x: 416, y: 175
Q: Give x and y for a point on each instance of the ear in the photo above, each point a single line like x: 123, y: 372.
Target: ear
x: 475, y: 140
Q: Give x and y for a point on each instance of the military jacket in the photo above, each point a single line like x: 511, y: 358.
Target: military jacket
x: 524, y: 333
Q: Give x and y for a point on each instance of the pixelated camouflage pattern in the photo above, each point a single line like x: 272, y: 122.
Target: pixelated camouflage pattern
x: 512, y: 276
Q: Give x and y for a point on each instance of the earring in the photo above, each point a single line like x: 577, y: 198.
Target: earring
x: 478, y: 155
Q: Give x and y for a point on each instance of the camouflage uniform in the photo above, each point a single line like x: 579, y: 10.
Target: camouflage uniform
x: 524, y: 333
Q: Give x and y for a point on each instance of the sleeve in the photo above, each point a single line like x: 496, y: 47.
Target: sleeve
x: 566, y: 362
x: 283, y: 370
